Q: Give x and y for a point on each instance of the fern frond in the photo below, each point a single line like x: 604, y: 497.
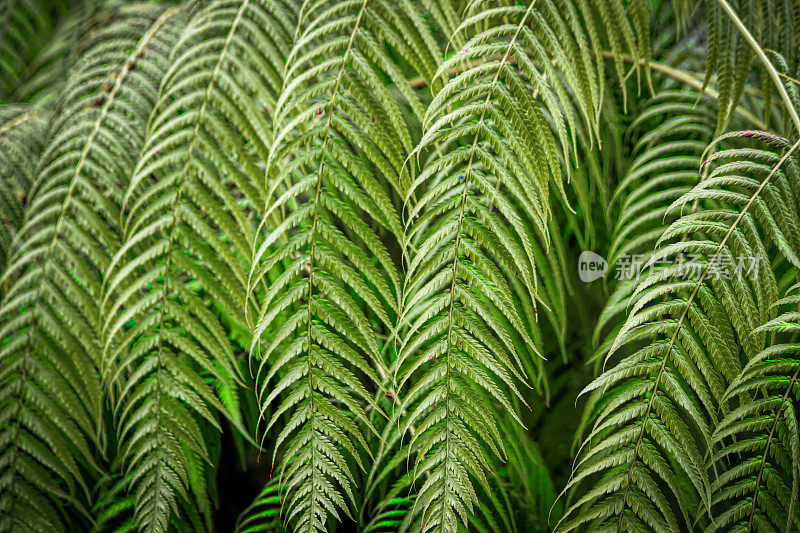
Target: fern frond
x: 342, y: 137
x: 669, y: 138
x: 730, y: 57
x: 113, y: 507
x: 476, y: 212
x: 187, y: 233
x: 756, y: 447
x: 51, y: 391
x: 264, y: 513
x: 25, y: 28
x: 519, y: 497
x: 652, y: 415
x: 23, y: 131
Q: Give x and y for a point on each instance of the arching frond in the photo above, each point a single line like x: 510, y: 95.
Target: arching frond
x: 51, y: 393
x: 342, y: 138
x: 670, y: 135
x: 756, y: 447
x: 652, y: 415
x: 187, y: 233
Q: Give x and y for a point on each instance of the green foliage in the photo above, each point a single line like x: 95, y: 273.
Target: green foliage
x: 284, y: 265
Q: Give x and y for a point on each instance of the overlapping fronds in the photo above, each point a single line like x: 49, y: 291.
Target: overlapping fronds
x: 693, y: 320
x: 775, y: 25
x: 23, y: 132
x: 51, y: 393
x: 519, y: 498
x: 671, y: 134
x: 756, y: 447
x: 333, y: 284
x: 187, y: 233
x: 504, y: 126
x: 340, y: 236
x: 25, y: 28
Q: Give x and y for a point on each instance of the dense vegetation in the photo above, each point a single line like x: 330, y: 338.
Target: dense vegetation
x: 323, y: 265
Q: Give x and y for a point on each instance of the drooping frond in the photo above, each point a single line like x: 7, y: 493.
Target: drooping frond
x: 51, y: 394
x: 499, y: 132
x: 23, y: 131
x: 756, y: 447
x: 332, y: 284
x: 651, y: 416
x: 187, y: 233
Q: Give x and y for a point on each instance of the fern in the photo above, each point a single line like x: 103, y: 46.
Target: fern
x: 24, y: 30
x: 332, y: 192
x: 166, y: 353
x: 23, y: 130
x: 654, y: 401
x: 312, y: 263
x: 51, y: 389
x: 671, y: 134
x: 473, y: 208
x: 757, y: 445
x: 264, y: 513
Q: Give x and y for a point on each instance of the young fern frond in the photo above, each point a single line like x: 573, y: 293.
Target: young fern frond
x: 51, y: 393
x: 652, y: 415
x: 756, y: 447
x: 341, y: 142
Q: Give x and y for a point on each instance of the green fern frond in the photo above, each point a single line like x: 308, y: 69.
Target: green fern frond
x: 342, y: 139
x: 264, y: 514
x: 476, y: 213
x: 756, y: 447
x: 187, y: 233
x: 25, y: 27
x: 773, y: 24
x: 23, y: 131
x: 669, y: 138
x: 50, y: 385
x: 652, y: 415
x: 113, y: 509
